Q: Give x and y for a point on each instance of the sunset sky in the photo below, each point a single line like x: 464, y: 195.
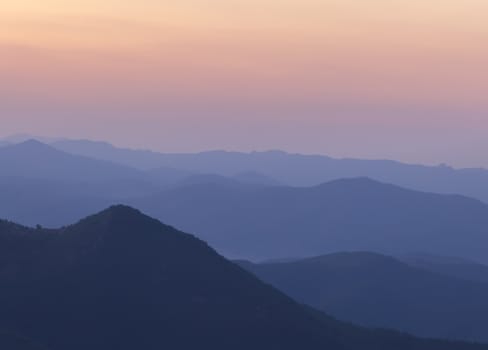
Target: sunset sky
x: 402, y: 79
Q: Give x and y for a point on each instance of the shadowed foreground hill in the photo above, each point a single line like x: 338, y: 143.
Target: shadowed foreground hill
x: 343, y: 215
x: 379, y: 291
x: 121, y: 280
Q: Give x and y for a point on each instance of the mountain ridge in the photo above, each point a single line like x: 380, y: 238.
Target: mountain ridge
x: 298, y: 169
x: 120, y: 279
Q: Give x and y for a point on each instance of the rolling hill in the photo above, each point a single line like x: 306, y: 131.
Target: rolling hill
x: 378, y: 291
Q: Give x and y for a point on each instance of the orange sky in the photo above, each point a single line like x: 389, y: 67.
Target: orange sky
x: 342, y: 65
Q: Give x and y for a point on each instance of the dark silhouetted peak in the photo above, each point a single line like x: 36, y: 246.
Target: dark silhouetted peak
x: 122, y: 215
x: 121, y: 222
x: 122, y: 212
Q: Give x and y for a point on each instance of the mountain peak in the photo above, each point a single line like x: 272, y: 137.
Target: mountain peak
x: 123, y: 222
x: 122, y: 210
x: 120, y: 215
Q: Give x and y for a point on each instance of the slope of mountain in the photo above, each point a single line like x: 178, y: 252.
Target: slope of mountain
x: 296, y: 169
x: 379, y: 291
x: 121, y: 280
x: 356, y: 214
x: 450, y: 266
x: 10, y: 341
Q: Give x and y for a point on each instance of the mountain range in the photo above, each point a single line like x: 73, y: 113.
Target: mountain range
x: 34, y: 159
x: 294, y: 169
x: 284, y: 168
x: 380, y: 291
x: 122, y: 280
x: 243, y: 219
x: 353, y: 214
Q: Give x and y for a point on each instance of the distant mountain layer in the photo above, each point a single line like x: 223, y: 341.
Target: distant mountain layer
x: 356, y: 214
x: 295, y: 169
x: 42, y: 185
x: 121, y: 280
x: 142, y: 159
x: 243, y: 216
x: 37, y: 160
x: 32, y: 160
x: 379, y: 291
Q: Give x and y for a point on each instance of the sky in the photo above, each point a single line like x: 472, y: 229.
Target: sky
x: 398, y: 79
